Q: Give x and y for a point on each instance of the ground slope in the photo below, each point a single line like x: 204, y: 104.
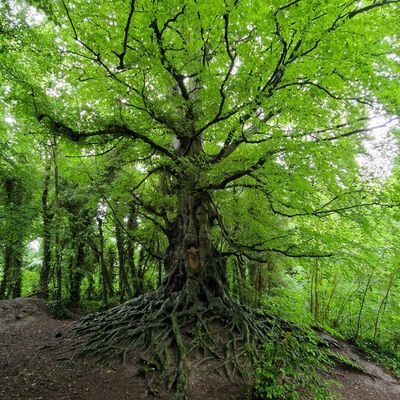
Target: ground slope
x: 373, y: 383
x: 28, y: 373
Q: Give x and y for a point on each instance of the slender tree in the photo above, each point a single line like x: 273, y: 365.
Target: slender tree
x: 47, y: 216
x: 10, y: 286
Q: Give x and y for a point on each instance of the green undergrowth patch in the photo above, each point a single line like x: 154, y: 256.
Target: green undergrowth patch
x: 346, y: 361
x: 294, y: 365
x: 59, y: 309
x: 381, y: 354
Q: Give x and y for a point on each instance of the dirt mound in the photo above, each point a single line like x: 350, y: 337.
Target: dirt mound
x: 27, y: 373
x: 21, y: 309
x: 30, y: 370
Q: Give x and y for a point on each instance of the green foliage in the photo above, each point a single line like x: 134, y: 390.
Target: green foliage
x: 58, y: 309
x: 281, y: 96
x: 91, y: 306
x: 30, y: 279
x: 336, y: 356
x: 292, y: 366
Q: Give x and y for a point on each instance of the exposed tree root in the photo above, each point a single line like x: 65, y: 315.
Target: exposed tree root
x: 172, y: 330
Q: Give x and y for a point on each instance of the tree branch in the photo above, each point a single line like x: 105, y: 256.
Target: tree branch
x: 232, y: 58
x: 115, y: 130
x: 320, y: 87
x: 166, y: 63
x: 240, y: 174
x: 96, y: 56
x: 339, y: 210
x: 121, y: 55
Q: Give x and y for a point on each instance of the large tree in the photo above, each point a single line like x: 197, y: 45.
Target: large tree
x: 229, y: 110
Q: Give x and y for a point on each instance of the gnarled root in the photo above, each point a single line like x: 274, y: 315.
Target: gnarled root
x: 167, y: 331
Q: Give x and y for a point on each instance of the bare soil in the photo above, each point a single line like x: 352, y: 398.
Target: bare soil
x: 374, y: 382
x: 31, y: 370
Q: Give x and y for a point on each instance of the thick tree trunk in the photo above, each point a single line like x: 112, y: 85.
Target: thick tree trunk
x: 190, y: 255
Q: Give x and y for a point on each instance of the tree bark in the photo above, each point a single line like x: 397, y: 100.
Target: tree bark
x: 190, y: 255
x: 76, y: 277
x: 124, y: 286
x: 10, y: 286
x: 104, y: 275
x: 46, y: 232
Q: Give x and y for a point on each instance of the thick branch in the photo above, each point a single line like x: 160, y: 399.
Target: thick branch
x: 244, y: 172
x: 115, y: 130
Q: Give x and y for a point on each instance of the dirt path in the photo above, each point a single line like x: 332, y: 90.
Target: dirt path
x: 27, y: 373
x: 374, y: 384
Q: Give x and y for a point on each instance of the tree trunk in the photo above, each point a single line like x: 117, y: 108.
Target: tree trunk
x: 123, y: 282
x: 104, y: 275
x: 17, y: 281
x: 363, y: 300
x: 46, y: 232
x: 190, y: 256
x: 10, y: 286
x: 7, y: 265
x: 57, y: 226
x: 384, y: 301
x: 76, y: 277
x: 130, y: 246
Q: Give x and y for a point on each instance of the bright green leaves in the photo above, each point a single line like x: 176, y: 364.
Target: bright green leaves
x: 276, y: 96
x: 290, y: 367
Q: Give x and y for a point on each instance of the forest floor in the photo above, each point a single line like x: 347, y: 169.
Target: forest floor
x: 29, y: 372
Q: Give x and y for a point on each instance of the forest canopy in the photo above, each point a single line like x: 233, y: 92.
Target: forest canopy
x: 207, y: 159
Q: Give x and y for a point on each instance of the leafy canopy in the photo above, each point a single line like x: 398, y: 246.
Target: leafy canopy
x: 279, y: 94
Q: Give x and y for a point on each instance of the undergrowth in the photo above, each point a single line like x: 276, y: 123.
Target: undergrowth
x: 292, y: 366
x: 381, y: 354
x: 58, y: 309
